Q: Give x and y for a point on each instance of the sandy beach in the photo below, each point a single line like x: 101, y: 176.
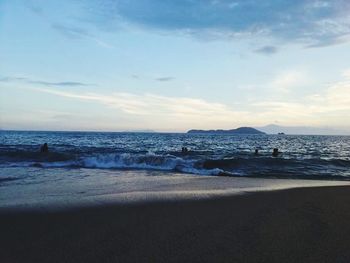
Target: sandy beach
x: 295, y: 225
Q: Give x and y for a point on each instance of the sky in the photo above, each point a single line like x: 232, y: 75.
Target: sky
x: 170, y: 66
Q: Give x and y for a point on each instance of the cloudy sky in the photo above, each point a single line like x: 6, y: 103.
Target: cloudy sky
x: 170, y: 65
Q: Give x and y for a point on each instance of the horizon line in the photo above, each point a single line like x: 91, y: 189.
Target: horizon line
x: 164, y: 132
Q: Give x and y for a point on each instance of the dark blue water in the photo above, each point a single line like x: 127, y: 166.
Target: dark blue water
x: 313, y: 157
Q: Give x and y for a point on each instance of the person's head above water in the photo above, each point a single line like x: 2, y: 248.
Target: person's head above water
x: 44, y: 148
x: 275, y: 152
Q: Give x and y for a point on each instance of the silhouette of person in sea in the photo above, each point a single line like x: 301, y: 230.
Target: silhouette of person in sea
x: 256, y: 152
x: 184, y: 150
x: 275, y: 152
x: 44, y: 148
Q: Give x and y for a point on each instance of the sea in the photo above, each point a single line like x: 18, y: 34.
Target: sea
x: 101, y: 166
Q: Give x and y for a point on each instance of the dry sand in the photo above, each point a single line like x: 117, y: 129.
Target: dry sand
x: 295, y: 225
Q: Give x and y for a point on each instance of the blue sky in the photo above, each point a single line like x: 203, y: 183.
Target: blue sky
x: 174, y: 65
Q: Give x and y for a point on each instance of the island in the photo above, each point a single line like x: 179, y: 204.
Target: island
x: 241, y: 130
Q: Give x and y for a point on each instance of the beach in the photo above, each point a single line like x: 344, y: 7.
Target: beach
x: 131, y: 197
x: 293, y: 225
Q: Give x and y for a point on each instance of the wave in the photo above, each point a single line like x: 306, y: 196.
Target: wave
x: 23, y: 155
x: 272, y: 162
x: 8, y: 179
x: 148, y: 161
x: 184, y: 163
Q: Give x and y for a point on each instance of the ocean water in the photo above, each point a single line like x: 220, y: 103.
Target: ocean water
x: 300, y: 156
x: 94, y: 165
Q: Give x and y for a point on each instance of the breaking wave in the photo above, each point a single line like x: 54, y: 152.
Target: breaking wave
x: 148, y: 161
x: 185, y: 163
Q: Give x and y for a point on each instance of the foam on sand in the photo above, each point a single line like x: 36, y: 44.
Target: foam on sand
x: 61, y: 188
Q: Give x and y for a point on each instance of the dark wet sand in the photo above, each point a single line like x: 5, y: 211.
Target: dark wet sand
x: 296, y: 225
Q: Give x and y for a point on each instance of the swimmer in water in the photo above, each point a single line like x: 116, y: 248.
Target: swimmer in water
x: 44, y: 148
x: 275, y: 152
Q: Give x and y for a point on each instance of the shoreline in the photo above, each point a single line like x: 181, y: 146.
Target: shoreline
x: 66, y: 190
x: 309, y: 224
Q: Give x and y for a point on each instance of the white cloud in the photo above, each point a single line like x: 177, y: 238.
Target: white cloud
x: 338, y: 97
x: 160, y: 111
x: 289, y: 79
x: 331, y: 107
x: 346, y: 74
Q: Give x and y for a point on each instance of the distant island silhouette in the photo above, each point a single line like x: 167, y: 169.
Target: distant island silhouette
x: 240, y: 130
x: 302, y: 130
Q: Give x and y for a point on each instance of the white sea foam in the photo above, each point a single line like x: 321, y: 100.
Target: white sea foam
x: 51, y: 188
x: 149, y: 161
